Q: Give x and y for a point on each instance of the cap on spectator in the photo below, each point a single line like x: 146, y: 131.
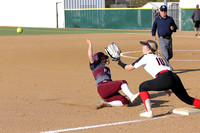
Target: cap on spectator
x: 163, y: 8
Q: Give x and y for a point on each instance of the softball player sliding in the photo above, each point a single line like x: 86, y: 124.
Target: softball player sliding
x: 164, y: 78
x: 108, y: 89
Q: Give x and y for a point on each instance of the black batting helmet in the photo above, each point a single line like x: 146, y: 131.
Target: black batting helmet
x: 97, y: 56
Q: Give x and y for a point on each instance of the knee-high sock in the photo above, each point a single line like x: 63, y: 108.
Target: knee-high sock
x: 115, y: 103
x: 126, y: 90
x: 196, y: 103
x: 146, y: 100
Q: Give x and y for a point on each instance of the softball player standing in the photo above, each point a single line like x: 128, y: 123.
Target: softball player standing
x: 164, y: 78
x: 108, y: 89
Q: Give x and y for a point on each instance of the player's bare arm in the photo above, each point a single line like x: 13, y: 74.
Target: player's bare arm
x: 90, y: 51
x: 129, y: 67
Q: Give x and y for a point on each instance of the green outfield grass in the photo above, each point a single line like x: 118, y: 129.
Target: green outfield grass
x: 11, y: 31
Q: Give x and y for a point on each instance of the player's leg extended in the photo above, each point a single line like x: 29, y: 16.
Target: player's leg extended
x: 181, y: 93
x: 107, y: 89
x: 146, y: 100
x: 126, y: 90
x: 163, y: 82
x: 109, y: 92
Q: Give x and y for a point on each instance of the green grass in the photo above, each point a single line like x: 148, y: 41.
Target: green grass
x: 11, y: 31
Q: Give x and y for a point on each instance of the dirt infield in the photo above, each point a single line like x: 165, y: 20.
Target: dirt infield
x: 46, y: 85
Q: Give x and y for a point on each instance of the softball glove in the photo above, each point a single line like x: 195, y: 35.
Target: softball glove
x: 113, y: 51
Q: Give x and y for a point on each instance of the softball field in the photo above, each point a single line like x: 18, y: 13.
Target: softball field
x: 46, y: 85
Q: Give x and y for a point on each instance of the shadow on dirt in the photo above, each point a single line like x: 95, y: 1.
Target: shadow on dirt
x: 179, y: 71
x: 164, y: 114
x: 154, y: 103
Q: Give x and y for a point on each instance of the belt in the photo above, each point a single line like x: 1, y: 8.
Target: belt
x: 166, y: 37
x: 164, y: 71
x: 104, y: 81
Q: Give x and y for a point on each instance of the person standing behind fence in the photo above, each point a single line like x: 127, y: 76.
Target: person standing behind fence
x: 195, y: 17
x: 165, y: 26
x: 157, y: 13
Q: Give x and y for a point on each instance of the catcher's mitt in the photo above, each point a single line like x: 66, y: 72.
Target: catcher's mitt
x: 113, y: 51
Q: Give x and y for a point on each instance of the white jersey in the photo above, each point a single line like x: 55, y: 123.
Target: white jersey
x: 152, y: 63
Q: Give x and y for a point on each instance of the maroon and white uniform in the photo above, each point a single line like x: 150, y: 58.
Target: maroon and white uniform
x: 107, y: 89
x: 101, y: 73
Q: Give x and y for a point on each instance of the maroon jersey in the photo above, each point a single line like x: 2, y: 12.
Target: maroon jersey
x: 100, y: 72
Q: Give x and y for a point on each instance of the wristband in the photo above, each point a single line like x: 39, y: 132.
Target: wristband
x: 122, y: 64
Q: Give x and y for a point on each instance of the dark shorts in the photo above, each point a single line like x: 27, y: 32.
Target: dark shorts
x: 109, y: 91
x: 197, y: 23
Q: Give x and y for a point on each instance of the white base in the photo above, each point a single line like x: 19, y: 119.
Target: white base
x: 185, y: 111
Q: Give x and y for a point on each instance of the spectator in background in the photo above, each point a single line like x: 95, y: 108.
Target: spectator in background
x: 196, y: 19
x: 157, y: 13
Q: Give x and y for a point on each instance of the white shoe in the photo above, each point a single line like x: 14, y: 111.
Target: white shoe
x: 102, y: 104
x: 135, y: 97
x: 147, y: 114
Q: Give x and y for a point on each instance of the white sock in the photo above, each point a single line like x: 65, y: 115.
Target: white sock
x: 126, y: 90
x: 115, y: 103
x: 148, y: 104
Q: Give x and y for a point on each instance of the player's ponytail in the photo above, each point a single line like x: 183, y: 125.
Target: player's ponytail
x: 161, y: 56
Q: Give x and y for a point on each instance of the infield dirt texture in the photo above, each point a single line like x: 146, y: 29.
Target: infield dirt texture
x: 46, y: 85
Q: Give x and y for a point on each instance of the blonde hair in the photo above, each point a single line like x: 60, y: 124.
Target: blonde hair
x: 162, y: 57
x: 153, y: 45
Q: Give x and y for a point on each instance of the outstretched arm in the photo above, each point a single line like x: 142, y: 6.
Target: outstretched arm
x: 90, y: 51
x: 125, y: 66
x: 129, y: 67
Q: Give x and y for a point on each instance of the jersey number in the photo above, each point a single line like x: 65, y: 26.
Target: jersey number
x: 160, y: 61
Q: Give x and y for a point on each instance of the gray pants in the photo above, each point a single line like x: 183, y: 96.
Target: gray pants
x: 166, y: 48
